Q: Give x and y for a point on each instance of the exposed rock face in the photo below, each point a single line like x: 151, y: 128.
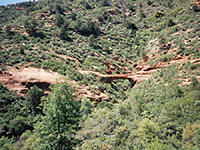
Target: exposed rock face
x: 132, y: 77
x: 83, y: 91
x: 69, y: 58
x: 21, y: 80
x: 144, y: 70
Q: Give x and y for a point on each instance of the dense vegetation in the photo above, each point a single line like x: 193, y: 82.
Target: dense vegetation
x: 156, y: 114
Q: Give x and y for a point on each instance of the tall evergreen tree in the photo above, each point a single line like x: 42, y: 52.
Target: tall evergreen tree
x: 60, y: 121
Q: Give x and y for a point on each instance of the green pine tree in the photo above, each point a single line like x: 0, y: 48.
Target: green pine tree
x: 60, y: 121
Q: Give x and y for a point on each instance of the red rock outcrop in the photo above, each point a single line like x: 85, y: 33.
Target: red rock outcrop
x: 21, y: 80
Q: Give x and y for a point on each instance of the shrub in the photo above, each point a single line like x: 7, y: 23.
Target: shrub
x: 87, y: 5
x: 8, y: 30
x: 100, y: 18
x: 184, y: 18
x: 30, y: 26
x: 195, y: 8
x: 22, y: 50
x: 59, y: 20
x: 87, y: 28
x: 149, y: 2
x: 63, y: 34
x: 73, y: 16
x: 104, y: 3
x: 91, y: 40
x: 130, y: 25
x: 59, y: 9
x: 170, y: 23
x: 33, y: 99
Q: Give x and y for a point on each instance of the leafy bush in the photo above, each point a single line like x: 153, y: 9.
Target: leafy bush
x: 87, y: 28
x: 8, y: 30
x: 73, y: 16
x: 184, y: 18
x: 63, y: 34
x: 104, y: 3
x: 87, y: 5
x: 130, y: 25
x: 31, y: 26
x: 59, y: 20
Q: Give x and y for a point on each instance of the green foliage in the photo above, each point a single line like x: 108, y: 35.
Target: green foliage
x: 86, y: 107
x: 152, y: 117
x: 87, y: 5
x: 6, y: 99
x: 148, y: 130
x: 8, y: 30
x: 170, y: 23
x: 107, y: 37
x: 59, y: 20
x: 156, y: 144
x: 195, y: 8
x: 14, y: 119
x: 63, y: 34
x: 73, y: 16
x: 31, y: 26
x: 87, y: 28
x: 60, y: 121
x: 5, y: 143
x: 191, y: 135
x: 130, y: 25
x: 55, y: 66
x: 149, y: 2
x: 184, y: 18
x: 195, y: 85
x: 104, y: 2
x: 59, y: 9
x: 91, y: 40
x: 33, y: 100
x: 22, y: 50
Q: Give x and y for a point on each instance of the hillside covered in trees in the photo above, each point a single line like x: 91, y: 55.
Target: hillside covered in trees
x: 100, y: 74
